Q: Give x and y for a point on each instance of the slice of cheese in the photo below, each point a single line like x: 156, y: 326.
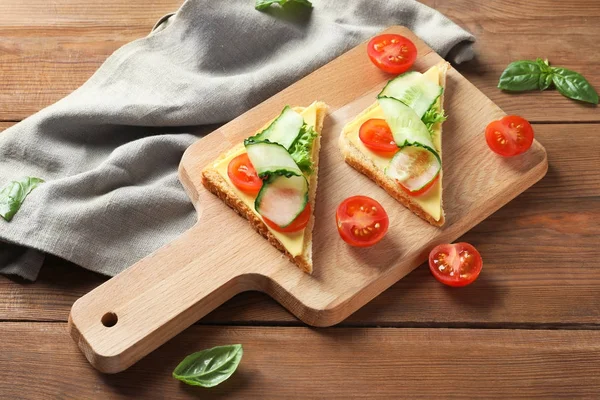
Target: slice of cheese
x: 293, y: 242
x: 430, y: 202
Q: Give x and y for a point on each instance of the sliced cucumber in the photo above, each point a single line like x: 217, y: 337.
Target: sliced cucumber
x: 414, y: 90
x: 414, y: 167
x: 271, y: 158
x: 407, y: 128
x: 284, y: 130
x: 282, y: 199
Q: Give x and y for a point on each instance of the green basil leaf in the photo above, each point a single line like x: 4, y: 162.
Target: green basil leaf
x: 544, y: 65
x: 573, y: 85
x: 545, y: 81
x: 263, y: 4
x: 13, y: 194
x: 208, y: 368
x: 520, y: 76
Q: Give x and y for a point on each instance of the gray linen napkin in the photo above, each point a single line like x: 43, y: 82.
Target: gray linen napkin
x: 111, y: 194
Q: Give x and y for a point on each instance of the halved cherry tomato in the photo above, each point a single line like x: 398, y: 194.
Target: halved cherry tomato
x: 298, y: 224
x: 392, y: 53
x: 423, y: 190
x: 376, y: 135
x: 509, y: 136
x: 243, y: 175
x: 361, y: 221
x: 455, y: 264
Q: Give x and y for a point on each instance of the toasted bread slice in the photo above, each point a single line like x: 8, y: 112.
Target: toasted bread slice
x: 360, y: 161
x: 220, y: 186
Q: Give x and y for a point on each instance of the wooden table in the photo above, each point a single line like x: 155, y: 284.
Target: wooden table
x: 527, y: 328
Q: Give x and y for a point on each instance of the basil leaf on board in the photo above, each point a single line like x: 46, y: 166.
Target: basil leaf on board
x: 208, y: 368
x: 520, y: 76
x: 13, y: 194
x: 573, y: 85
x: 263, y: 4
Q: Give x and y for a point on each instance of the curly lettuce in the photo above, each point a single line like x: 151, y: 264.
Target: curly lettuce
x: 301, y: 149
x: 432, y: 117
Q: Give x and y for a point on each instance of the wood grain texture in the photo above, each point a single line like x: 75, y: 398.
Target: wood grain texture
x: 509, y: 30
x: 524, y: 283
x: 221, y: 256
x: 48, y: 51
x: 304, y: 363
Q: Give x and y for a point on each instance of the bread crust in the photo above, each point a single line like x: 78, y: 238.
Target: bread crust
x: 357, y: 160
x: 215, y: 183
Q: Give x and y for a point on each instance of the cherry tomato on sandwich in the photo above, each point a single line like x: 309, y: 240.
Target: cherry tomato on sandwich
x: 298, y: 224
x: 376, y: 135
x: 361, y: 221
x: 392, y: 53
x: 509, y: 136
x: 242, y: 174
x: 456, y: 264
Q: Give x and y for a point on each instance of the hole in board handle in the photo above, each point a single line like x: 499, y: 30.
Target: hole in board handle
x: 109, y: 319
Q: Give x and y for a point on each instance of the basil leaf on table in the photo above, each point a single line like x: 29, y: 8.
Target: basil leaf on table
x: 545, y: 79
x: 530, y: 75
x: 13, y: 194
x: 208, y: 368
x: 573, y: 85
x: 520, y: 76
x: 263, y: 4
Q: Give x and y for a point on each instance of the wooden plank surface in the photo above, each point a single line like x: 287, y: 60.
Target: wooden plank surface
x: 314, y: 364
x: 524, y: 282
x: 221, y: 256
x: 508, y: 30
x: 48, y: 51
x: 540, y: 250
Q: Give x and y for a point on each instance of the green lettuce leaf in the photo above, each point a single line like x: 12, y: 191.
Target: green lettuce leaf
x: 301, y: 149
x: 432, y: 117
x: 263, y: 4
x: 13, y: 194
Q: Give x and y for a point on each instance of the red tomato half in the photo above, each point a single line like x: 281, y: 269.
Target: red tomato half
x: 455, y: 264
x: 243, y: 175
x: 509, y: 136
x: 392, y: 53
x: 361, y: 221
x: 376, y: 135
x: 299, y: 223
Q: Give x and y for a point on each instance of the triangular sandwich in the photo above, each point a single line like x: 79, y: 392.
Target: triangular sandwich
x: 397, y: 141
x: 271, y: 180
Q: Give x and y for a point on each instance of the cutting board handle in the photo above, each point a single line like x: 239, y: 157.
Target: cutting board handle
x: 127, y: 317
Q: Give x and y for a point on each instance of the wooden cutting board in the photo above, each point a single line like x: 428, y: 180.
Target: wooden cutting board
x: 135, y: 312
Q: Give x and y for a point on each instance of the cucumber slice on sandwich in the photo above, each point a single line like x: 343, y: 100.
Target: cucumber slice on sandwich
x: 414, y: 90
x: 414, y: 167
x: 271, y: 159
x: 406, y: 126
x: 281, y: 199
x: 284, y: 130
